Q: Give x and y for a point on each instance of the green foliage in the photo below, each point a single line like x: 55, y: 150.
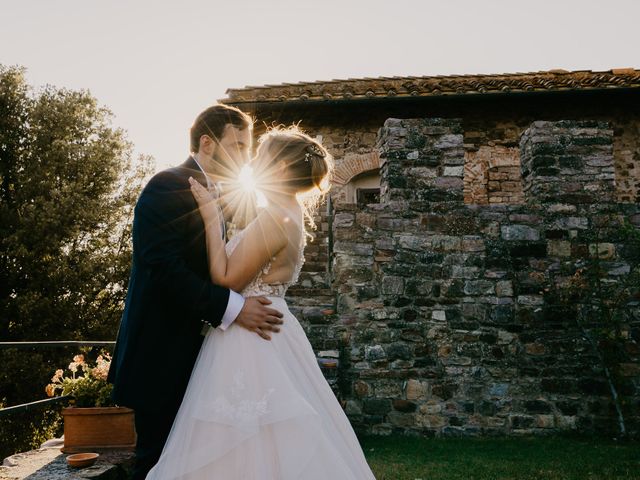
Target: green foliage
x: 68, y: 184
x: 91, y: 392
x: 27, y: 430
x: 89, y: 389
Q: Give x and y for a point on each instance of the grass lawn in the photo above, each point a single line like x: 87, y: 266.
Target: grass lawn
x: 411, y: 458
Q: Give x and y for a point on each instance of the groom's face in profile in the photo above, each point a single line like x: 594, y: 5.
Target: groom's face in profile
x: 233, y: 149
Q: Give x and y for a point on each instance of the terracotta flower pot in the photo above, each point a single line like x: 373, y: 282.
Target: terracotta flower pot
x: 98, y: 428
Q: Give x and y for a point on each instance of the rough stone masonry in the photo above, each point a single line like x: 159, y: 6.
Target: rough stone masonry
x: 441, y: 323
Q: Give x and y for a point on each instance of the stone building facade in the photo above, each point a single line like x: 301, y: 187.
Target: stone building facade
x: 458, y: 203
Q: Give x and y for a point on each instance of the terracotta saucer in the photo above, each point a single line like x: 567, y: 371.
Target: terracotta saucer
x: 82, y: 460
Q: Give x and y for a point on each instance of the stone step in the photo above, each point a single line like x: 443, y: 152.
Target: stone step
x: 317, y: 293
x: 49, y: 463
x: 313, y: 274
x: 319, y: 267
x: 296, y: 302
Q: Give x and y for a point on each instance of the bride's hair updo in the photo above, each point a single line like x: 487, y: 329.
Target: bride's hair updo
x: 308, y: 164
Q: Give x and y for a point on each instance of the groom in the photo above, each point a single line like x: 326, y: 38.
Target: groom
x: 170, y: 295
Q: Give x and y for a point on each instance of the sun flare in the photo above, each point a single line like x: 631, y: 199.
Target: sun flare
x: 249, y: 184
x: 246, y: 179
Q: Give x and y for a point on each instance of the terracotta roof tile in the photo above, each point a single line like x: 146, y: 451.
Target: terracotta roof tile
x: 385, y: 87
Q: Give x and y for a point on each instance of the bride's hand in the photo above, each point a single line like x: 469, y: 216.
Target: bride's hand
x: 206, y: 203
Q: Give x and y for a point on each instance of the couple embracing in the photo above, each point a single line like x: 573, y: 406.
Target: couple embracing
x: 242, y: 398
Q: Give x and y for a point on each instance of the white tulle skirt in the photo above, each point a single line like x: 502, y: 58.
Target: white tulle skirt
x: 256, y: 409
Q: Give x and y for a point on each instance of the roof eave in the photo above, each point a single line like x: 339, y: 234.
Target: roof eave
x: 318, y: 100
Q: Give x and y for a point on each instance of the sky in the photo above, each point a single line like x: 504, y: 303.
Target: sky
x: 157, y: 64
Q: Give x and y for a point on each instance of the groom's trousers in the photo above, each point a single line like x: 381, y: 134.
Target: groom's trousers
x: 152, y: 430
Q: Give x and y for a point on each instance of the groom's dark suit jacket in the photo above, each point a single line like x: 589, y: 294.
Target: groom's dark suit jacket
x: 169, y: 295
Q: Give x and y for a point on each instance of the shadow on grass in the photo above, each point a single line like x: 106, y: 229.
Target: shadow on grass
x: 483, y: 458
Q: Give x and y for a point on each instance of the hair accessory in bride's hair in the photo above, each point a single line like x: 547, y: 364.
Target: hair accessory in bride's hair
x: 312, y: 150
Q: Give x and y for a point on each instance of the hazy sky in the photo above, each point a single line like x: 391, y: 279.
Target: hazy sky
x: 157, y: 64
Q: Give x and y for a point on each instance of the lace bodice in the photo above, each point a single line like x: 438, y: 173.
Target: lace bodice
x: 257, y: 286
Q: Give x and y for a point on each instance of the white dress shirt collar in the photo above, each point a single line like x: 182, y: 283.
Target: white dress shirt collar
x: 209, y: 184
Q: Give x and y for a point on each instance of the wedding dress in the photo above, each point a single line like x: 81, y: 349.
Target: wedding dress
x: 259, y: 409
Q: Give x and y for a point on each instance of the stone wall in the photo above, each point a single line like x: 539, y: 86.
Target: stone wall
x: 626, y: 157
x: 568, y: 162
x: 491, y: 130
x: 442, y: 324
x: 484, y: 228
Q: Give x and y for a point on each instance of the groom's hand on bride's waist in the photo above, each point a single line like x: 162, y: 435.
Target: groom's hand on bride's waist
x: 257, y: 317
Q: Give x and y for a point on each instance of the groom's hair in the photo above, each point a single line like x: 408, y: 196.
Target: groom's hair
x: 213, y: 121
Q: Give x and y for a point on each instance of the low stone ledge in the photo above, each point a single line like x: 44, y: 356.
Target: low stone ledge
x: 48, y: 463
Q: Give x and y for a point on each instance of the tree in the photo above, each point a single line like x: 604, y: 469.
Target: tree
x: 68, y: 185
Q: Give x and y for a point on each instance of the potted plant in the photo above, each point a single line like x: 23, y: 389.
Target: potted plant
x: 92, y: 422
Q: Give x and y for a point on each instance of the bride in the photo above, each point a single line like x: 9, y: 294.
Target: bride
x: 256, y: 409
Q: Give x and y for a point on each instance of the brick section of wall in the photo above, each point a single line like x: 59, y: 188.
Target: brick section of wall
x: 476, y: 177
x: 355, y: 163
x: 443, y: 325
x: 492, y: 175
x: 505, y: 181
x: 353, y: 150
